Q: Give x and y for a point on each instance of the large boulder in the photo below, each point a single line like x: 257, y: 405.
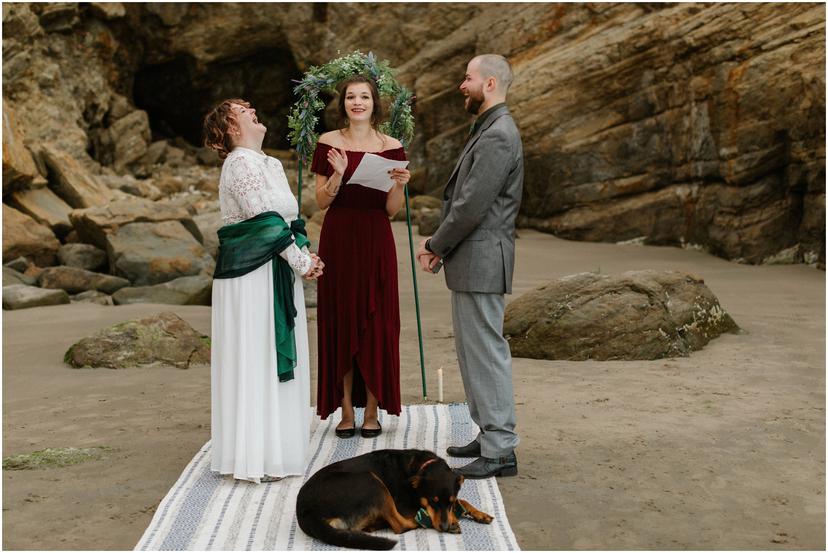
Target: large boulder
x: 94, y: 224
x: 21, y: 296
x: 83, y: 256
x: 71, y: 181
x: 23, y: 236
x: 635, y: 315
x: 45, y: 207
x: 163, y: 339
x: 152, y: 253
x: 189, y: 290
x: 75, y: 280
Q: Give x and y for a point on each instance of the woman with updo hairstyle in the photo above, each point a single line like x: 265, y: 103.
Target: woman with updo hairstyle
x: 358, y: 311
x: 260, y: 381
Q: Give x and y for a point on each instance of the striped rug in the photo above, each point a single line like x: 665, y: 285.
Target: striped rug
x: 205, y: 511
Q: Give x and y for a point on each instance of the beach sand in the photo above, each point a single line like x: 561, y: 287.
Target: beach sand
x: 724, y: 449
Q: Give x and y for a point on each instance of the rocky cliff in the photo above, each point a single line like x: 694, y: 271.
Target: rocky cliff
x: 685, y: 124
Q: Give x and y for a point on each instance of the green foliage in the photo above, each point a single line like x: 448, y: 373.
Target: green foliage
x: 303, y: 117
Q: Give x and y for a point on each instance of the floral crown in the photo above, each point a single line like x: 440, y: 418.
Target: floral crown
x: 304, y: 115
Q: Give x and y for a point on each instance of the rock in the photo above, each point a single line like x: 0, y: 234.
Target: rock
x: 72, y: 182
x: 130, y: 136
x: 155, y: 153
x: 429, y: 221
x: 310, y: 292
x: 143, y: 188
x: 169, y: 14
x: 75, y: 280
x: 108, y: 10
x: 82, y: 256
x: 23, y: 236
x: 93, y: 296
x: 94, y: 224
x: 425, y: 202
x: 718, y: 100
x: 169, y: 184
x: 208, y: 225
x: 21, y: 296
x: 189, y: 290
x: 318, y: 218
x: 45, y: 207
x: 635, y: 315
x: 10, y: 276
x: 314, y: 231
x: 208, y: 156
x: 19, y: 168
x: 20, y: 264
x: 59, y: 16
x: 152, y: 253
x: 164, y: 339
x: 34, y: 271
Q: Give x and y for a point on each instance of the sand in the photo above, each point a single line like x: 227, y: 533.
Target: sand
x: 724, y: 449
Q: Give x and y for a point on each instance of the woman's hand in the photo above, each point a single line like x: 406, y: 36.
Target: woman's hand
x: 338, y: 160
x: 400, y: 176
x: 316, y: 268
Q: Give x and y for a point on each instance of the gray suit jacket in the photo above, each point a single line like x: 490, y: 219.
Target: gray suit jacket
x: 476, y: 237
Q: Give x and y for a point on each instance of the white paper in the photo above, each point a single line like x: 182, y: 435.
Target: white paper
x: 372, y: 172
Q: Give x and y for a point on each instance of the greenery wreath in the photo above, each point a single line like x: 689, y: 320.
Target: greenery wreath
x: 303, y: 115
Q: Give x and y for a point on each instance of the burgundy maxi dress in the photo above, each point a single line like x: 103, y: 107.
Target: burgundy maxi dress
x: 358, y: 305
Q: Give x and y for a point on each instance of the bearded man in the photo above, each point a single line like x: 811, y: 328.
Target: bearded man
x: 475, y: 242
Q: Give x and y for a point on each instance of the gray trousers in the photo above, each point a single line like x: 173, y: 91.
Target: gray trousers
x: 486, y: 369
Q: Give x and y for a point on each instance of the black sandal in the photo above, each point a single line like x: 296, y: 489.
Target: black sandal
x: 345, y: 432
x: 371, y: 432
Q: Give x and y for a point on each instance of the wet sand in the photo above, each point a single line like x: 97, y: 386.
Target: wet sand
x: 724, y: 449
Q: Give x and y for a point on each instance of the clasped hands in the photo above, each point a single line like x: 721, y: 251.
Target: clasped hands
x: 316, y: 268
x: 426, y: 258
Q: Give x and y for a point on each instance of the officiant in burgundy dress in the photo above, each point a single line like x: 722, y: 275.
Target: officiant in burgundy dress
x: 358, y: 317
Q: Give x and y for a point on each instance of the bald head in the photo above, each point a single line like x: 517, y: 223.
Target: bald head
x: 495, y: 65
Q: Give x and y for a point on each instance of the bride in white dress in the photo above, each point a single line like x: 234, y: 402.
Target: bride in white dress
x: 260, y: 426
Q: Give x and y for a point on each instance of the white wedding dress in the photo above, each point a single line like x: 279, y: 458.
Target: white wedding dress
x: 260, y: 426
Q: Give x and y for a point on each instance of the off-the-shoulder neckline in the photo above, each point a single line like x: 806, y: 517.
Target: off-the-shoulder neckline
x: 362, y: 152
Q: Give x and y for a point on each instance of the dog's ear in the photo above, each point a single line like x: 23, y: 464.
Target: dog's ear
x: 414, y: 481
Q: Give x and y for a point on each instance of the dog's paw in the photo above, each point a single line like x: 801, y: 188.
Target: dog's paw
x: 454, y: 528
x: 482, y: 517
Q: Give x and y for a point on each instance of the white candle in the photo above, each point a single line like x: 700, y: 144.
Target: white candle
x: 440, y: 384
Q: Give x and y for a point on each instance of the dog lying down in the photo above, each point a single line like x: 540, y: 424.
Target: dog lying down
x: 401, y: 489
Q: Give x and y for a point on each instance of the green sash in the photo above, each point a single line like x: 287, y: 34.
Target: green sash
x: 246, y: 246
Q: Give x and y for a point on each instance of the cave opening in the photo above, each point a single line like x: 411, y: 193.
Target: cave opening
x: 178, y: 93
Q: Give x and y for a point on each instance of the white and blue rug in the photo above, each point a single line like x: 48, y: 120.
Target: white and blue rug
x: 205, y: 511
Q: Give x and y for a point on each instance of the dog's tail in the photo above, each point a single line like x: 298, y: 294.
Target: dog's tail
x: 321, y: 530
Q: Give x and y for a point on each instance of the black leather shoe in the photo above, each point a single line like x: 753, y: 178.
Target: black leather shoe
x: 371, y: 432
x: 469, y: 450
x: 345, y: 432
x: 483, y: 467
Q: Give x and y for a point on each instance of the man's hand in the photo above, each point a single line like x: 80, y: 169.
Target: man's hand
x: 421, y: 249
x: 426, y: 258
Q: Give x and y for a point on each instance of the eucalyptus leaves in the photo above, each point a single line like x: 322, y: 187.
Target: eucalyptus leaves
x: 303, y: 116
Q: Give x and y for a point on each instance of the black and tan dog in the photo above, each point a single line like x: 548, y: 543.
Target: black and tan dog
x: 390, y: 488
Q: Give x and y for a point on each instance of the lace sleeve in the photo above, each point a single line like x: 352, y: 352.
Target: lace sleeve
x: 297, y: 259
x: 247, y: 186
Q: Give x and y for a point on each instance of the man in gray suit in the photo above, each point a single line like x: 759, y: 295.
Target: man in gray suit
x: 475, y: 242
